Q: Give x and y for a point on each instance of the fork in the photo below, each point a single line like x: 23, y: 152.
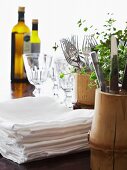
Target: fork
x: 83, y: 59
x: 73, y: 56
x: 89, y: 42
x: 74, y: 41
x: 70, y: 52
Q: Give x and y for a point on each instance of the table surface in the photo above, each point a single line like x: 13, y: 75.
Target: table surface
x: 75, y: 161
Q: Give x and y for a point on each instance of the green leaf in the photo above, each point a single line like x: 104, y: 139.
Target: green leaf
x: 97, y: 33
x: 61, y: 75
x: 79, y: 23
x: 114, y: 29
x: 85, y: 29
x: 93, y: 76
x: 83, y: 70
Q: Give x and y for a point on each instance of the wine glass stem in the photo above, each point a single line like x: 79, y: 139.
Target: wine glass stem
x: 68, y: 98
x: 38, y: 90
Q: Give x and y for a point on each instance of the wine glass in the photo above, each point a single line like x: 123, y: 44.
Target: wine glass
x: 55, y: 83
x: 65, y: 80
x: 37, y: 69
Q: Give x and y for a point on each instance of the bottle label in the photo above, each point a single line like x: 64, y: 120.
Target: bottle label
x: 27, y: 44
x: 35, y: 47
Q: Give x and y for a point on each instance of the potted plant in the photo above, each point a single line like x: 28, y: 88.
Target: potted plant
x: 86, y: 80
x: 103, y: 47
x: 84, y: 88
x: 108, y: 137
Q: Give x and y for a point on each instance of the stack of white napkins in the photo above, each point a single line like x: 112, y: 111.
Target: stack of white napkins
x: 33, y: 128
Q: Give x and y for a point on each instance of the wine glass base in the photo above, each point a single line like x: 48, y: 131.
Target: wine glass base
x: 37, y: 93
x: 68, y: 98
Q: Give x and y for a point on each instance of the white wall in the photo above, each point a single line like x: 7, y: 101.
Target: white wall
x: 57, y: 18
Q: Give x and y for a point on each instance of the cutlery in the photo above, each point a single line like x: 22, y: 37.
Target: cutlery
x: 89, y: 43
x: 113, y: 83
x: 124, y: 83
x: 70, y: 52
x: 98, y: 71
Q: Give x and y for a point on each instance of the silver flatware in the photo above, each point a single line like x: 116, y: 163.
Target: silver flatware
x: 70, y: 52
x: 114, y: 75
x: 98, y: 71
x: 124, y: 83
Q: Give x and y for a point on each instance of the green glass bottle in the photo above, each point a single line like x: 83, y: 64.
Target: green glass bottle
x: 17, y: 66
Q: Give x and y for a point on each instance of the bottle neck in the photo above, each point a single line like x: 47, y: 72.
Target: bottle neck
x: 20, y: 16
x: 34, y: 27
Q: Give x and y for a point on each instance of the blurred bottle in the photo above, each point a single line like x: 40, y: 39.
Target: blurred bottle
x: 21, y: 90
x: 34, y: 39
x: 17, y: 66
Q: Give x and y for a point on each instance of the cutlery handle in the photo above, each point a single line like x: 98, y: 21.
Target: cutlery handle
x: 114, y: 75
x: 124, y: 84
x: 98, y: 71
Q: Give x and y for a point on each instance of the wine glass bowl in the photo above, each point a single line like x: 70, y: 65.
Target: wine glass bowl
x: 37, y: 68
x: 66, y: 81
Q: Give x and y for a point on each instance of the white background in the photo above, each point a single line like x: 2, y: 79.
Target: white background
x: 57, y: 19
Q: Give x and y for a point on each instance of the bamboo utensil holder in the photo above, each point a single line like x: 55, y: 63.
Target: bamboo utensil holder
x: 84, y: 94
x: 108, y: 136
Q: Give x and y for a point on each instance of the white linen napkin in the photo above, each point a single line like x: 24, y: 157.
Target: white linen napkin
x: 28, y: 111
x: 34, y: 128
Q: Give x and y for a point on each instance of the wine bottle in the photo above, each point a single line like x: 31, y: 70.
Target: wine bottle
x: 17, y: 38
x: 34, y: 39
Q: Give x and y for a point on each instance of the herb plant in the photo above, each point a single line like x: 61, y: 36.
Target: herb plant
x: 104, y: 45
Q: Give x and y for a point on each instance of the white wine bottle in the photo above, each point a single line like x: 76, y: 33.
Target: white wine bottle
x: 34, y: 39
x: 17, y: 65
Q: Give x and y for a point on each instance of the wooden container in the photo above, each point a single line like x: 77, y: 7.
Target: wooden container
x: 108, y: 136
x: 103, y: 160
x: 84, y: 94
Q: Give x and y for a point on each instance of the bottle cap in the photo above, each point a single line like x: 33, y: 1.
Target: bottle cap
x: 21, y: 9
x: 34, y: 21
